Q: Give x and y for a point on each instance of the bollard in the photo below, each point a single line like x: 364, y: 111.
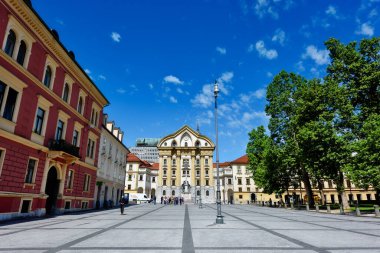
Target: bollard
x: 292, y: 205
x: 316, y: 207
x: 377, y: 212
x: 328, y: 208
x: 357, y: 211
x: 307, y: 207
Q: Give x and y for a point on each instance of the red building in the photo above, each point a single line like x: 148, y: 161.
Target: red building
x: 50, y: 119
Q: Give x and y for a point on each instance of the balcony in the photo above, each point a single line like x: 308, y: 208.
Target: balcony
x: 62, y: 145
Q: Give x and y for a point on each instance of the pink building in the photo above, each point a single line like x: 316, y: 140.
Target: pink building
x: 50, y: 119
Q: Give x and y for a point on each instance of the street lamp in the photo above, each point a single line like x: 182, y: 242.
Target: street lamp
x: 219, y: 217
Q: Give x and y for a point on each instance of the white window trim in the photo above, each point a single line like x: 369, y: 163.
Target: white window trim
x: 34, y: 171
x: 44, y: 104
x: 83, y: 95
x: 11, y: 81
x: 53, y: 66
x: 96, y: 112
x: 69, y: 81
x: 2, y: 158
x: 21, y: 34
x: 64, y: 117
x: 71, y: 186
x: 94, y: 138
x: 30, y: 205
x: 77, y: 126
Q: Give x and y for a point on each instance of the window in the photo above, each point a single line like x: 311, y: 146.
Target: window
x: 70, y: 179
x: 198, y: 193
x: 206, y: 161
x: 32, y: 164
x: 348, y: 183
x: 248, y: 189
x: 330, y: 184
x: 173, y: 192
x: 207, y: 182
x: 86, y: 184
x: 165, y: 162
x: 240, y: 189
x: 240, y: 196
x: 173, y: 182
x: 186, y: 144
x: 130, y: 167
x: 75, y: 138
x: 129, y: 177
x: 48, y: 75
x: 10, y: 104
x: 164, y: 172
x: 207, y: 193
x: 164, y: 192
x: 66, y: 92
x: 164, y: 182
x: 174, y: 144
x: 2, y: 155
x: 10, y: 45
x: 206, y: 172
x: 153, y: 179
x: 2, y: 92
x: 174, y: 162
x: 198, y: 162
x: 21, y: 53
x: 129, y: 187
x: 141, y: 178
x: 229, y: 181
x: 248, y: 181
x: 25, y: 207
x: 90, y: 148
x: 84, y: 205
x: 238, y: 170
x: 198, y: 182
x: 80, y: 105
x: 59, y: 132
x: 39, y: 121
x: 197, y: 144
x: 198, y: 173
x: 239, y: 181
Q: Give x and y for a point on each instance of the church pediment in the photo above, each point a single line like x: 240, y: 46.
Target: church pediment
x: 186, y: 137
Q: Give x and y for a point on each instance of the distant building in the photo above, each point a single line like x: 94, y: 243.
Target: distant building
x: 111, y: 165
x: 146, y: 149
x: 141, y: 176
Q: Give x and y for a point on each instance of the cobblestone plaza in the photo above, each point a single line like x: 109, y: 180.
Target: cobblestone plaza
x: 187, y: 228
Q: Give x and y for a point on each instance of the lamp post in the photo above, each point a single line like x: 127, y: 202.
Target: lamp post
x: 219, y: 217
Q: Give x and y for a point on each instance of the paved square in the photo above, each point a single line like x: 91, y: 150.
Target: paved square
x: 187, y: 228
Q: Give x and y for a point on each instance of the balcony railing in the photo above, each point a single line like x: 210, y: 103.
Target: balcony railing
x: 62, y: 145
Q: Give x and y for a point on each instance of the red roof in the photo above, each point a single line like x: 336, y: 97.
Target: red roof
x: 155, y: 166
x: 133, y: 158
x: 222, y: 165
x: 241, y: 160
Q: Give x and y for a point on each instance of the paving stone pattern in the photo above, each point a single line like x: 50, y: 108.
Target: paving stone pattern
x: 187, y: 228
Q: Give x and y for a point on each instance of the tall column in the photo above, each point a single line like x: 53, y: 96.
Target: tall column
x: 62, y: 182
x: 44, y: 177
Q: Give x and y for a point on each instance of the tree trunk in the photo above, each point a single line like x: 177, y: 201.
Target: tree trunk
x: 308, y: 189
x: 340, y: 189
x: 320, y: 188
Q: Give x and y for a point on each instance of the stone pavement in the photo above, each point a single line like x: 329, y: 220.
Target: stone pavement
x: 149, y: 228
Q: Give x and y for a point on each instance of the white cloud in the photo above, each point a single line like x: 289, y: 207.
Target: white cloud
x: 173, y: 100
x: 87, y: 71
x: 331, y: 10
x: 279, y: 36
x: 366, y: 29
x: 150, y: 86
x: 102, y: 77
x: 221, y: 50
x: 250, y: 49
x: 299, y: 66
x: 121, y: 91
x: 269, y: 74
x: 172, y: 79
x: 115, y: 36
x: 247, y: 98
x: 179, y: 90
x: 226, y: 77
x: 373, y: 13
x: 265, y: 7
x: 320, y: 57
x: 269, y: 54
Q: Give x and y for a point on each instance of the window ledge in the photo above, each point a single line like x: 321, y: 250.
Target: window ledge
x: 39, y: 139
x: 29, y: 185
x: 7, y: 125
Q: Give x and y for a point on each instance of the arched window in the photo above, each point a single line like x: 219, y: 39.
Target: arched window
x: 197, y: 144
x: 185, y: 143
x: 21, y: 53
x: 164, y: 192
x: 174, y: 144
x: 173, y: 192
x: 47, y: 79
x: 10, y: 45
x: 198, y: 193
x: 207, y: 193
x: 66, y: 91
x: 80, y: 104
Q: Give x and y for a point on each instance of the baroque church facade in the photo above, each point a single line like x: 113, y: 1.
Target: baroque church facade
x: 186, y: 166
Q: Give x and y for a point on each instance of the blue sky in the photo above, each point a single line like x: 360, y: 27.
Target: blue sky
x: 156, y: 60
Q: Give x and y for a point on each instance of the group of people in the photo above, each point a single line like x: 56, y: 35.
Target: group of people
x: 172, y: 200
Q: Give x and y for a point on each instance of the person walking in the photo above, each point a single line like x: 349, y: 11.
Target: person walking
x: 122, y: 205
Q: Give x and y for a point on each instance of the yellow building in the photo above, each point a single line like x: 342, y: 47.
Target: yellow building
x: 186, y: 167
